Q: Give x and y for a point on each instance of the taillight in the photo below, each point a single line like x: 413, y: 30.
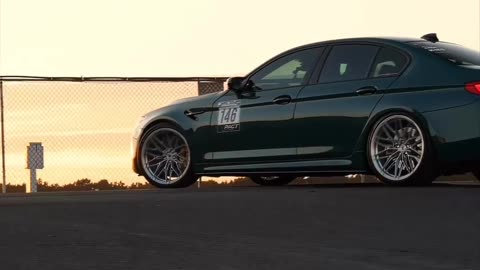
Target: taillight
x: 473, y: 87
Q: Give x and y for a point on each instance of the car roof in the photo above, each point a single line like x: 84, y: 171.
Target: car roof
x: 386, y: 40
x: 367, y: 39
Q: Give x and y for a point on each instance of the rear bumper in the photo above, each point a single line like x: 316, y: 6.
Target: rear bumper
x: 455, y: 134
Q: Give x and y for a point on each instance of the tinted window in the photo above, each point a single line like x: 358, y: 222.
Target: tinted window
x: 452, y: 52
x: 348, y: 62
x: 388, y: 62
x: 291, y: 70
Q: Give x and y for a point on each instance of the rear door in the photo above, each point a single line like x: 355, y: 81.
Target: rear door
x: 332, y: 113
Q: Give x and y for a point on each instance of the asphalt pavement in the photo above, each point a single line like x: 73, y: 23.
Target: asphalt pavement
x: 333, y: 226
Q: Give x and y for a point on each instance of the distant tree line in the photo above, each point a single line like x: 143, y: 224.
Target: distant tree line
x: 86, y: 184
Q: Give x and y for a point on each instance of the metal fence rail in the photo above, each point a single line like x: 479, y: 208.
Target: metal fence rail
x: 84, y: 123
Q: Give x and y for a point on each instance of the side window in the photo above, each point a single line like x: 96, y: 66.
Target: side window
x: 290, y: 70
x: 389, y: 62
x: 348, y: 62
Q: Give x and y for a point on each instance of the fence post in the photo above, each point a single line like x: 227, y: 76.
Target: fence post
x: 4, y: 182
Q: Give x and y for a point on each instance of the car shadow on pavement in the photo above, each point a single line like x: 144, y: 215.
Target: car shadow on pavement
x: 381, y: 185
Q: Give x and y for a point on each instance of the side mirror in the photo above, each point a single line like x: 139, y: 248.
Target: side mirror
x: 235, y: 83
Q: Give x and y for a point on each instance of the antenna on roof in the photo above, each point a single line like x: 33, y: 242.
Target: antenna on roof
x: 432, y: 37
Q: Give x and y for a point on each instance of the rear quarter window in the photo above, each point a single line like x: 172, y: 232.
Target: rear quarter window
x: 389, y: 62
x: 454, y: 53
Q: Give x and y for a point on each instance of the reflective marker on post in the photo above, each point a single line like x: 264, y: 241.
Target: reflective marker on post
x: 34, y: 162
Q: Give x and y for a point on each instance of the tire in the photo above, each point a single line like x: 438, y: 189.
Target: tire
x: 165, y: 157
x: 272, y: 180
x: 399, y: 151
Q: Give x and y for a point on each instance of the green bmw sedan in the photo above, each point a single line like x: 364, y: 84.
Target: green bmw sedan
x: 403, y: 109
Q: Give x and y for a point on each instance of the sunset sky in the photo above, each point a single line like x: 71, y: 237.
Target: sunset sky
x: 203, y: 37
x: 86, y: 127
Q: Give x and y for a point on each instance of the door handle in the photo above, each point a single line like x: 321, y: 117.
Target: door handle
x: 367, y: 90
x: 282, y: 100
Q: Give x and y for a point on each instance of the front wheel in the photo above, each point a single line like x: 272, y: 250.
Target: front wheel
x: 165, y: 157
x: 272, y: 180
x: 399, y: 151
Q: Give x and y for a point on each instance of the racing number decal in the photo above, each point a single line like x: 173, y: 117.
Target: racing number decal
x: 228, y: 116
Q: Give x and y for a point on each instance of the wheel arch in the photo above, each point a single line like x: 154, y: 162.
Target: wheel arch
x: 429, y: 170
x: 153, y: 123
x: 187, y: 177
x: 163, y: 120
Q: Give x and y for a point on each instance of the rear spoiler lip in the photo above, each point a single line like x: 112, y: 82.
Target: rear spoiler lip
x: 432, y: 37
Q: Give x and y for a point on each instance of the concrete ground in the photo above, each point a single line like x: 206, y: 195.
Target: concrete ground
x: 328, y: 226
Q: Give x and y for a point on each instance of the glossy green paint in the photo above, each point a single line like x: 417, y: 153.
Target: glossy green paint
x: 456, y: 136
x: 265, y: 130
x: 196, y: 130
x: 324, y: 130
x: 332, y: 116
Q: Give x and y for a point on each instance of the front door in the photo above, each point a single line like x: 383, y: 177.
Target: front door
x: 256, y: 124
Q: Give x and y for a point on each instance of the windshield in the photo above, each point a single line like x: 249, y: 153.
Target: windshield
x: 452, y: 52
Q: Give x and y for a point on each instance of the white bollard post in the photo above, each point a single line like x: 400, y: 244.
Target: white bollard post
x: 32, y: 186
x: 199, y: 182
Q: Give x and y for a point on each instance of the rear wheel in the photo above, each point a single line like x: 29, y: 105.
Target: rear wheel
x: 399, y: 151
x: 272, y: 180
x: 165, y: 157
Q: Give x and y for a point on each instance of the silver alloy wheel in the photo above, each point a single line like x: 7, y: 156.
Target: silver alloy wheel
x: 165, y: 156
x: 397, y: 147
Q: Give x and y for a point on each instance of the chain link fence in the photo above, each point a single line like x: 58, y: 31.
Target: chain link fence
x: 84, y: 124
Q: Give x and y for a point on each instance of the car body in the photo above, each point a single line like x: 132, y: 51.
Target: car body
x: 311, y: 111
